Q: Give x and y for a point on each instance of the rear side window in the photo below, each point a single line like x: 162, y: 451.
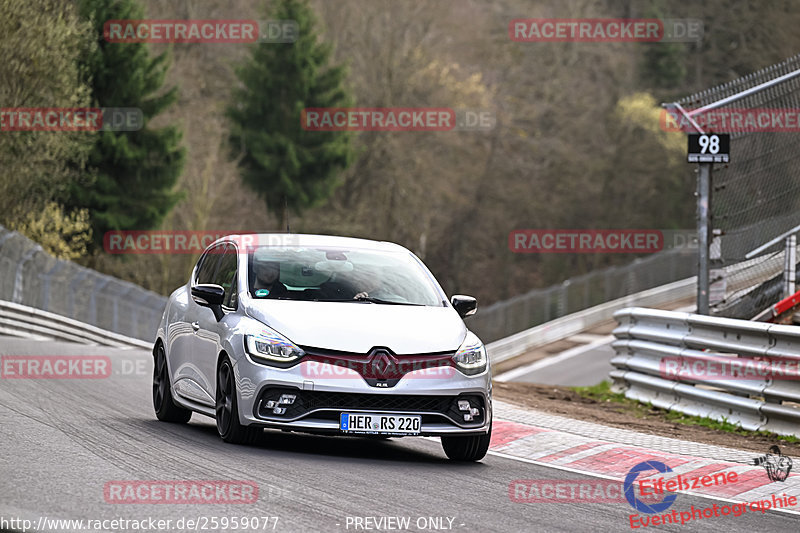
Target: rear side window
x: 208, y: 265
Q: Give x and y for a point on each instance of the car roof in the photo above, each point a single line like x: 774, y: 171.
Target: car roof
x: 304, y: 240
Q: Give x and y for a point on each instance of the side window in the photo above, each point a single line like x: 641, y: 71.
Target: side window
x: 208, y: 265
x: 226, y: 273
x: 233, y: 301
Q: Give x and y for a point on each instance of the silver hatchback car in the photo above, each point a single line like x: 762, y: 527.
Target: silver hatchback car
x: 322, y: 334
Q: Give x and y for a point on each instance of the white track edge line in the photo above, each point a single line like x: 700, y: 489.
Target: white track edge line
x: 547, y: 361
x: 604, y: 476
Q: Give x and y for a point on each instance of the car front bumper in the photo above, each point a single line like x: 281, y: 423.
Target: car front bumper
x: 322, y: 394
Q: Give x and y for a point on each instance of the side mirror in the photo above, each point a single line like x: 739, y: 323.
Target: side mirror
x: 209, y: 296
x: 464, y: 305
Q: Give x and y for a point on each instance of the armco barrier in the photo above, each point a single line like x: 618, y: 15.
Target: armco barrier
x: 21, y: 320
x: 645, y: 338
x: 31, y: 277
x: 581, y: 321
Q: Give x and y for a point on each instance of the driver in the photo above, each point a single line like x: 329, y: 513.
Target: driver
x: 373, y: 285
x: 267, y: 273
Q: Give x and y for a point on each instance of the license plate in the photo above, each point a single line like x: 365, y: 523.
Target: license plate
x: 378, y: 424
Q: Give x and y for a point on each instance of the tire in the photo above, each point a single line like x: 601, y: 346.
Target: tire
x: 227, y: 409
x: 163, y: 402
x: 470, y: 448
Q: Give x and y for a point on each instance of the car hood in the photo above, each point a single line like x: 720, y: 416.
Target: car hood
x: 358, y: 327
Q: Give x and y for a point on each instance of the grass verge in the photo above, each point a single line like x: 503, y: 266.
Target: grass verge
x: 602, y: 393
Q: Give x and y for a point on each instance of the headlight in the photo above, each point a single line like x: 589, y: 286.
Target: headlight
x: 269, y: 347
x: 471, y: 357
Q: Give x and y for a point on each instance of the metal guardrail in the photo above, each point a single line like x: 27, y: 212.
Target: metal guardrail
x: 569, y: 325
x: 21, y: 320
x: 31, y: 277
x: 645, y: 338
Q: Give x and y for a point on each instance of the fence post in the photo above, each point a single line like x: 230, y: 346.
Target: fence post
x: 18, y: 296
x: 703, y: 236
x: 563, y: 299
x: 789, y: 262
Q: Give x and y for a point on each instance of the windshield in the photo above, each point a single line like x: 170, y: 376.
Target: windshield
x: 328, y: 274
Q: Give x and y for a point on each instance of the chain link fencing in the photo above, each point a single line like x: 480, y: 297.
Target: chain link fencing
x: 756, y: 197
x: 30, y: 276
x: 538, y: 306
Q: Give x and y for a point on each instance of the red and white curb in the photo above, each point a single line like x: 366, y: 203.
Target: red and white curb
x: 610, y: 460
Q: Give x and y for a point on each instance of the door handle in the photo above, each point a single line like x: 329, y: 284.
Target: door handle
x: 195, y: 325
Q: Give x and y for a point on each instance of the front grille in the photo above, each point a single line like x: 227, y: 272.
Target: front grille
x: 308, y: 401
x: 380, y: 367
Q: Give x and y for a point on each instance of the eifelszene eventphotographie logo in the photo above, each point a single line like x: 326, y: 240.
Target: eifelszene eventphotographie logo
x: 630, y: 495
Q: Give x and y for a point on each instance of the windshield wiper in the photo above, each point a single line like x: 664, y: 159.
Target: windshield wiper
x: 362, y: 299
x: 380, y: 301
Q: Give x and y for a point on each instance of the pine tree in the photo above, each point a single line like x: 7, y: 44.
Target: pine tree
x: 289, y: 167
x: 663, y: 64
x: 135, y: 171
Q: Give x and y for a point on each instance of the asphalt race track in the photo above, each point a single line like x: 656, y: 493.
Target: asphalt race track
x: 582, y: 366
x: 65, y: 439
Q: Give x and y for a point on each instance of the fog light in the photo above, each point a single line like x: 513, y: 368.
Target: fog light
x: 279, y: 410
x: 475, y: 411
x: 463, y: 405
x: 270, y: 404
x: 467, y: 418
x: 286, y: 399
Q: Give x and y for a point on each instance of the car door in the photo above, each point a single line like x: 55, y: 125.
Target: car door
x: 210, y: 330
x: 190, y: 380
